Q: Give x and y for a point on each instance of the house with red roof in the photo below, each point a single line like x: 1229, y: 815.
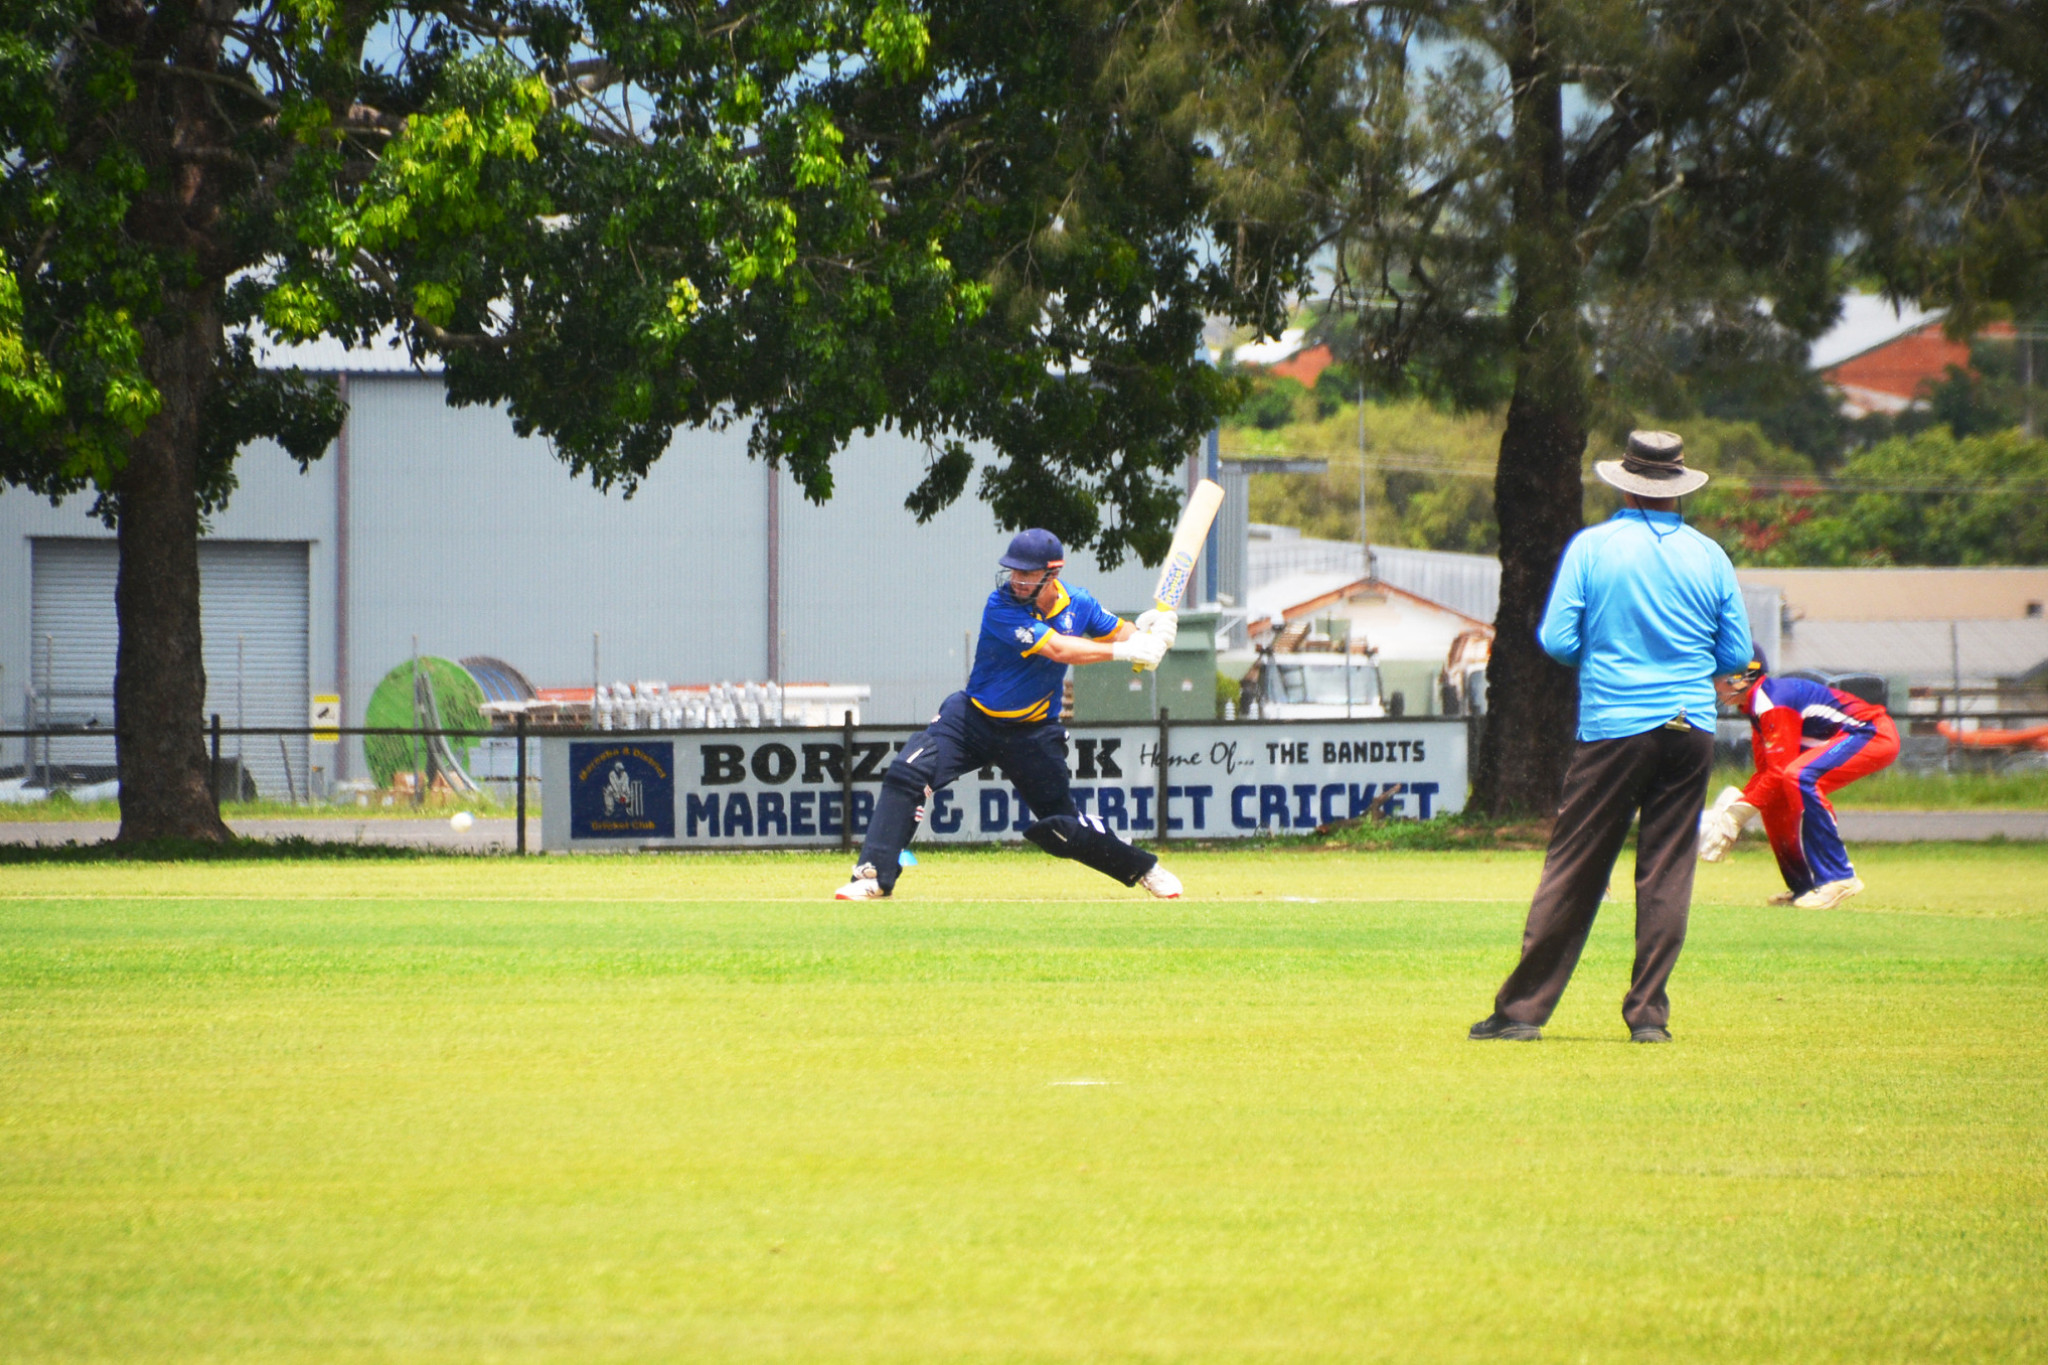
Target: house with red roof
x: 1885, y: 358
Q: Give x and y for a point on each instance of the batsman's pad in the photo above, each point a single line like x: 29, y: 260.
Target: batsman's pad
x: 1086, y: 840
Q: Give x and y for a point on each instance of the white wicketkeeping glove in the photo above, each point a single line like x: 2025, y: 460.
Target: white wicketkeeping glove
x: 1721, y: 824
x: 1164, y: 624
x: 1141, y: 649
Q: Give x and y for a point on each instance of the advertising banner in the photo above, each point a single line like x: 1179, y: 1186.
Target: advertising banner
x: 788, y: 787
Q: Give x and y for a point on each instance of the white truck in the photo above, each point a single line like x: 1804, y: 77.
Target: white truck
x: 1315, y: 686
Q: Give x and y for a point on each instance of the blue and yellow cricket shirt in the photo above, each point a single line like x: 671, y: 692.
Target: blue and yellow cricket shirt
x: 1012, y: 679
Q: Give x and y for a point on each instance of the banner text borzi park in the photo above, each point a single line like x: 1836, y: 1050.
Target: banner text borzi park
x: 788, y: 787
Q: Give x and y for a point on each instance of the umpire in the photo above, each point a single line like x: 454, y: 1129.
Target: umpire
x: 1648, y: 611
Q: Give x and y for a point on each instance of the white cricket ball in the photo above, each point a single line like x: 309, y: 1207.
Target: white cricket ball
x: 461, y: 821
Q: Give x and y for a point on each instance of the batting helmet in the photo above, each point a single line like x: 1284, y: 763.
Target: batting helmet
x: 1034, y: 549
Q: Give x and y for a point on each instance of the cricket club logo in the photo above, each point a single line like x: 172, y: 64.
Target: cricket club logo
x: 1067, y: 624
x: 623, y: 795
x: 622, y: 791
x: 1023, y: 635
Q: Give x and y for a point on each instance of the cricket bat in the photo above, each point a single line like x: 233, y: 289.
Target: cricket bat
x: 1195, y: 520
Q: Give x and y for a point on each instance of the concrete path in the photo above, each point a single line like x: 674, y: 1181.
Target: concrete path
x: 1913, y: 826
x: 492, y: 834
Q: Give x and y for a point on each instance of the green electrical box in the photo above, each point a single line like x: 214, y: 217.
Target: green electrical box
x: 1185, y: 683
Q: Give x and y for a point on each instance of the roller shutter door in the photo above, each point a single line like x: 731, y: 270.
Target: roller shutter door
x: 253, y: 613
x: 72, y: 638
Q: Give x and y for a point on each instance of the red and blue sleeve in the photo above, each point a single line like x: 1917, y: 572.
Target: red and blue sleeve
x: 1773, y: 743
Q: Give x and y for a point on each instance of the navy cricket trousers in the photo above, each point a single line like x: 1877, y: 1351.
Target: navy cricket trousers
x: 1033, y: 757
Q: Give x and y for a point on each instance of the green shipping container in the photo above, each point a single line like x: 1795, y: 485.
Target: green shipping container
x: 1185, y: 683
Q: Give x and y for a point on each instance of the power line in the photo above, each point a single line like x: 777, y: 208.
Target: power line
x: 1810, y: 484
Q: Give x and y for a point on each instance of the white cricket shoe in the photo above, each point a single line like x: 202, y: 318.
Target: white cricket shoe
x: 1828, y: 895
x: 1161, y: 883
x: 865, y: 886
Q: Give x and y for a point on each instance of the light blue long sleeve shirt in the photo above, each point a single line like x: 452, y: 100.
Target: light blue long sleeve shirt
x: 1648, y: 611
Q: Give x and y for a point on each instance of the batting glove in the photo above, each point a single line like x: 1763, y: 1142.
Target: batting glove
x: 1141, y: 649
x: 1164, y: 624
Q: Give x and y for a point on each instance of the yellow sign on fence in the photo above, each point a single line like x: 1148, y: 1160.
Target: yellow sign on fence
x: 326, y: 712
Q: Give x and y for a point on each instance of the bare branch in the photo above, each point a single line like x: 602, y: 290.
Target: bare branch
x: 213, y: 78
x: 1593, y: 230
x: 440, y: 336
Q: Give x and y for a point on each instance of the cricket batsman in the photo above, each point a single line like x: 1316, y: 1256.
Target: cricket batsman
x: 1032, y: 628
x: 1808, y: 739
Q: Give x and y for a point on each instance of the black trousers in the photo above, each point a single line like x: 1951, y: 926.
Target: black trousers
x: 1662, y: 774
x: 1032, y: 756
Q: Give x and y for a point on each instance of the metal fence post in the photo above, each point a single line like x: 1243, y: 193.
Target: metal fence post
x: 519, y: 771
x: 846, y: 788
x: 1165, y: 731
x: 214, y: 764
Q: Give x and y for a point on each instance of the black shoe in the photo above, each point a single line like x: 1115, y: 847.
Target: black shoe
x: 1649, y: 1034
x: 1504, y: 1028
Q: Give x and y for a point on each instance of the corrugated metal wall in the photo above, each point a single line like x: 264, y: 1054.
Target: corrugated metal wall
x: 1462, y: 582
x: 1233, y: 524
x: 1269, y: 560
x: 869, y: 596
x: 73, y: 636
x: 253, y: 613
x: 482, y: 543
x: 479, y: 542
x: 253, y: 609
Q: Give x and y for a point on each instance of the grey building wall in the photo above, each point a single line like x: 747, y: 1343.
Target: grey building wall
x: 453, y: 529
x: 1233, y: 535
x: 479, y: 542
x: 1463, y: 582
x: 869, y: 596
x: 274, y: 503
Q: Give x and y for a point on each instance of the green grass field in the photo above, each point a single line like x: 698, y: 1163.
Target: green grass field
x: 682, y: 1109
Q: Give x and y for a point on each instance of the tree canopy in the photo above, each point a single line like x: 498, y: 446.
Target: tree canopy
x: 1932, y: 498
x: 974, y: 223
x: 1535, y: 193
x: 995, y: 223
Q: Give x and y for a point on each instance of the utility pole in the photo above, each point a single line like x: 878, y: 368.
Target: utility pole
x: 2026, y: 334
x: 1364, y: 538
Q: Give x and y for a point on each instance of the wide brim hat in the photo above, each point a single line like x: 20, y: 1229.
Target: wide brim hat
x: 1653, y: 466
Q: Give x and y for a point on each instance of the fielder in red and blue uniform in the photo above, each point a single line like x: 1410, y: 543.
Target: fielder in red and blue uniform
x: 1808, y: 739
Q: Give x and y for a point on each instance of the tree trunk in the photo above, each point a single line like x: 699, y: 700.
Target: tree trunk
x: 1532, y: 702
x: 159, y: 674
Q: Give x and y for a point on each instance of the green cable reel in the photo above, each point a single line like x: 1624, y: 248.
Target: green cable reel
x: 447, y: 698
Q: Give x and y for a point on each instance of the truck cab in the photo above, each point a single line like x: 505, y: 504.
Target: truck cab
x: 1311, y: 686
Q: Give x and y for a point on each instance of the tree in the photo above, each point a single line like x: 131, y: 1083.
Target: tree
x: 1982, y: 244
x: 1532, y: 179
x: 996, y: 222
x: 1931, y: 498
